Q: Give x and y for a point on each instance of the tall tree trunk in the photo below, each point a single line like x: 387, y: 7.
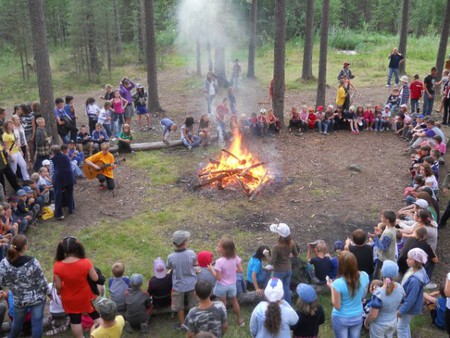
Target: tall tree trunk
x: 404, y: 34
x: 199, y: 58
x: 41, y: 57
x: 118, y: 32
x: 322, y: 78
x: 279, y: 60
x: 308, y: 41
x: 252, y: 39
x: 141, y: 31
x: 443, y: 42
x: 219, y: 68
x: 152, y: 76
x: 92, y: 46
x: 108, y: 44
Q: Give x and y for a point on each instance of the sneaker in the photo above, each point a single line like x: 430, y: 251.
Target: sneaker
x: 128, y: 328
x: 189, y: 147
x: 60, y: 218
x: 101, y: 187
x: 388, y: 86
x: 144, y: 328
x: 430, y: 286
x: 177, y: 327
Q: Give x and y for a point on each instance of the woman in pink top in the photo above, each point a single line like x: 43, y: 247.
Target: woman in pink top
x: 225, y: 271
x: 119, y: 104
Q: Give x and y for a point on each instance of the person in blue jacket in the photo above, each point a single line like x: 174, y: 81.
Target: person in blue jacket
x: 413, y: 282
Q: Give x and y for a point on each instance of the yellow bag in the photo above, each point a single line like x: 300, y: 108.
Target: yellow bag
x: 47, y: 213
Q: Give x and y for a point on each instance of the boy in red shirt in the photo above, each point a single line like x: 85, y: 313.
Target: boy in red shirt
x: 416, y: 90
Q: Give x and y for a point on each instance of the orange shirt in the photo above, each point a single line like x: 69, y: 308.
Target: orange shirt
x: 100, y: 157
x: 76, y: 294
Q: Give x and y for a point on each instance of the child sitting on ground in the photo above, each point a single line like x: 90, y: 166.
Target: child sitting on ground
x: 112, y: 324
x: 393, y: 101
x: 204, y: 129
x: 137, y: 304
x: 257, y: 275
x: 187, y: 134
x: 320, y: 263
x: 84, y: 140
x: 125, y: 139
x: 310, y: 313
x: 118, y: 285
x: 160, y: 285
x: 369, y: 118
x: 99, y: 136
x: 58, y: 321
x: 168, y: 126
x: 436, y: 304
x: 207, y: 316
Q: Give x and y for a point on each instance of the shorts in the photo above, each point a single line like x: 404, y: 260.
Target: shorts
x: 75, y: 318
x: 179, y: 299
x: 129, y: 112
x: 86, y: 145
x: 222, y: 291
x: 141, y: 110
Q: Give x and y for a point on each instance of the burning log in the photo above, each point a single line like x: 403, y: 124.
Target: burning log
x: 213, y: 161
x: 211, y: 180
x: 233, y: 155
x: 224, y: 171
x: 259, y: 187
x: 256, y: 165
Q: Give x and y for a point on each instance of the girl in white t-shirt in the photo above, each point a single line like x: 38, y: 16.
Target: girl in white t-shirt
x: 225, y: 271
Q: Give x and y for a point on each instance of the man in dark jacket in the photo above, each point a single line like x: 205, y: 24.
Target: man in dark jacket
x: 63, y: 181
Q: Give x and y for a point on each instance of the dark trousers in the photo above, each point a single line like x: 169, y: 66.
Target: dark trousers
x: 92, y: 124
x: 65, y: 192
x: 10, y: 176
x: 109, y: 181
x: 446, y: 111
x: 124, y: 147
x: 445, y: 216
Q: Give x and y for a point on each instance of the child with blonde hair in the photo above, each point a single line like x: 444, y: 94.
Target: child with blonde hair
x: 319, y: 261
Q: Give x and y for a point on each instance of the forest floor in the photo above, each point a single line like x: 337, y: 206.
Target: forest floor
x: 315, y: 193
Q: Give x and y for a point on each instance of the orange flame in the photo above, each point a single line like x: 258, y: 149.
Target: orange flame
x: 243, y: 170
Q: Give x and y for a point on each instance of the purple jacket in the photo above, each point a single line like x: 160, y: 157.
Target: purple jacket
x: 126, y: 92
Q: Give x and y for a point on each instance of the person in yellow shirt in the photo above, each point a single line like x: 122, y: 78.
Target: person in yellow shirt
x: 112, y: 325
x: 106, y: 175
x: 341, y: 94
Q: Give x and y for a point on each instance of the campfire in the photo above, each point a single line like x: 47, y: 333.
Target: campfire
x: 236, y: 167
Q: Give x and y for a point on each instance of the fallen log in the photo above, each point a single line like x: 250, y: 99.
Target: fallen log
x: 150, y: 146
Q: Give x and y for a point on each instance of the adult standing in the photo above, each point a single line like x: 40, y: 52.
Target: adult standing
x: 28, y: 123
x: 210, y: 90
x: 446, y: 101
x: 126, y: 85
x: 347, y: 292
x: 395, y: 59
x: 63, y: 181
x: 70, y: 274
x: 345, y: 71
x: 382, y: 320
x: 281, y: 254
x: 416, y: 90
x: 428, y: 95
x: 24, y: 277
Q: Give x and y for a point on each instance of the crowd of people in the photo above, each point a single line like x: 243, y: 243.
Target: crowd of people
x: 394, y: 263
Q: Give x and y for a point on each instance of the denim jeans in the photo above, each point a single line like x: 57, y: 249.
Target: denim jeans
x: 285, y: 277
x: 403, y: 328
x: 37, y: 317
x: 427, y: 104
x: 221, y: 131
x: 346, y: 327
x: 117, y: 124
x: 323, y: 126
x: 393, y: 71
x: 195, y: 141
x: 209, y: 100
x: 414, y: 105
x: 379, y: 124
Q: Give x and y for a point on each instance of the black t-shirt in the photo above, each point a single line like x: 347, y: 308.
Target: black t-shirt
x: 307, y: 325
x: 395, y: 60
x: 429, y: 83
x: 364, y: 257
x: 322, y: 267
x: 412, y: 243
x: 160, y: 290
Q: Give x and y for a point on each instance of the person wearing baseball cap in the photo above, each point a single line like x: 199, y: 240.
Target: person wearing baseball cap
x: 184, y: 277
x: 112, y: 324
x: 309, y: 311
x: 137, y: 304
x: 273, y: 318
x: 160, y: 285
x: 413, y: 282
x: 281, y: 253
